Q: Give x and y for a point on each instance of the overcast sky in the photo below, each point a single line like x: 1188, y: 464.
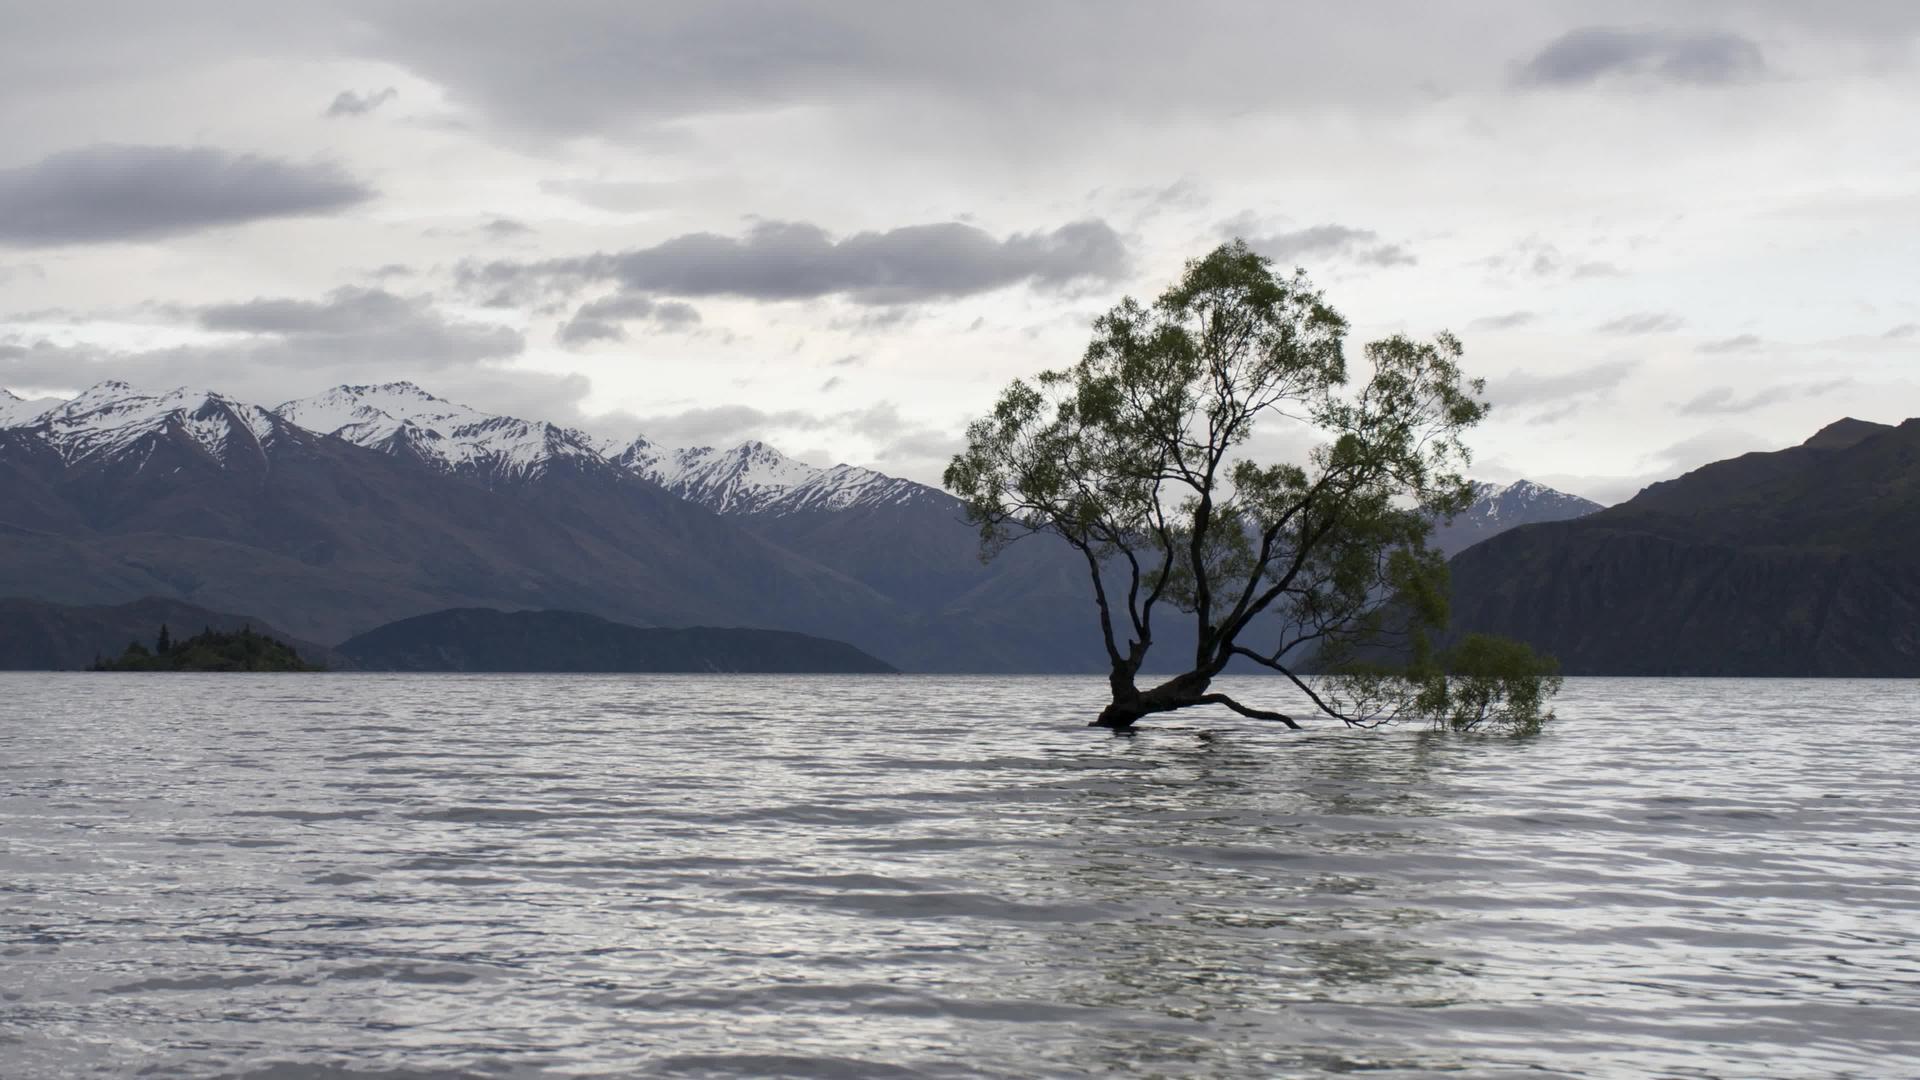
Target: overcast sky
x: 1666, y: 233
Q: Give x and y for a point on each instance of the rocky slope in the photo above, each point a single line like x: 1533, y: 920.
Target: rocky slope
x: 1797, y: 562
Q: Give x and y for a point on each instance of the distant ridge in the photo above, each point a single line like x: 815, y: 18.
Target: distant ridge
x: 1799, y: 562
x: 1499, y: 507
x: 482, y: 639
x: 39, y: 636
x: 1843, y: 433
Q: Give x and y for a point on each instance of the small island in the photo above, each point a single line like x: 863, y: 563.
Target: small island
x: 209, y: 650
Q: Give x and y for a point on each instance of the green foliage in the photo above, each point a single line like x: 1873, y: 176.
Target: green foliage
x: 1135, y: 457
x: 209, y: 651
x: 1485, y: 683
x: 1494, y: 683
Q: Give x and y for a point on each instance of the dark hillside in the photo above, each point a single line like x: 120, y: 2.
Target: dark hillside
x: 1801, y: 562
x: 481, y: 639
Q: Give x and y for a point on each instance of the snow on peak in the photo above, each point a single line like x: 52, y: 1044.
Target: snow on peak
x: 399, y: 417
x: 110, y: 417
x: 845, y: 486
x: 741, y: 480
x: 374, y: 413
x: 16, y: 411
x: 755, y: 478
x: 1523, y: 502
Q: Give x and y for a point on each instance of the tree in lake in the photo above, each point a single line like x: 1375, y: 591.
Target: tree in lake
x: 1135, y: 457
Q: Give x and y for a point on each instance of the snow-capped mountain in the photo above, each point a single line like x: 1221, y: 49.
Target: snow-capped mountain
x: 16, y: 411
x: 755, y: 479
x: 401, y: 418
x: 1499, y: 507
x: 1525, y: 502
x: 113, y: 420
x: 846, y: 486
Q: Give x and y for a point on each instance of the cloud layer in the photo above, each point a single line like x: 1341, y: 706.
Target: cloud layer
x: 798, y: 261
x: 108, y: 193
x: 1592, y: 53
x: 1331, y: 242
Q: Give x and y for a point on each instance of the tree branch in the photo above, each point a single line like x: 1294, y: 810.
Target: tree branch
x: 1257, y: 714
x: 1304, y: 688
x: 1100, y: 598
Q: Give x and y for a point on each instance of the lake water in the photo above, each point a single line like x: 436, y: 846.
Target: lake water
x: 413, y: 876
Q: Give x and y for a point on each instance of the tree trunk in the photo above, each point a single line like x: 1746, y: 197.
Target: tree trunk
x: 1182, y: 691
x: 1120, y: 715
x: 1130, y: 704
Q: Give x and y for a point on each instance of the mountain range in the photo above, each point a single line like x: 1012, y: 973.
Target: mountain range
x: 333, y: 514
x: 1801, y: 561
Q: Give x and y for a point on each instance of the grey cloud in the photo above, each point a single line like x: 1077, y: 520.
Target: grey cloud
x: 359, y: 326
x: 246, y: 373
x: 1533, y: 390
x: 924, y: 452
x: 1341, y: 242
x: 575, y: 68
x: 1643, y: 322
x: 572, y: 67
x: 1740, y: 343
x: 578, y: 331
x: 627, y: 306
x: 881, y: 420
x: 346, y: 310
x: 849, y: 360
x: 1722, y: 400
x: 878, y: 320
x: 348, y: 103
x: 673, y: 313
x: 599, y: 320
x: 1537, y: 258
x: 832, y: 384
x: 795, y: 261
x: 1592, y: 53
x: 1182, y: 195
x: 501, y: 228
x: 263, y: 372
x: 1695, y: 451
x: 1513, y: 320
x: 109, y: 193
x: 719, y: 425
x: 1902, y: 332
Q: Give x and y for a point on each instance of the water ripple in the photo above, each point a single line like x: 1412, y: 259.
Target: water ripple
x: 402, y: 876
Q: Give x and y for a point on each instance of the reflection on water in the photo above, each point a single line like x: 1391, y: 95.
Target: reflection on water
x: 520, y: 876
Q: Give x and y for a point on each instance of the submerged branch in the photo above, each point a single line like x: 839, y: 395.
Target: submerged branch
x: 1257, y: 714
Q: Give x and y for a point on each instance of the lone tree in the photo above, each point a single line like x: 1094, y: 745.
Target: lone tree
x: 1130, y: 457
